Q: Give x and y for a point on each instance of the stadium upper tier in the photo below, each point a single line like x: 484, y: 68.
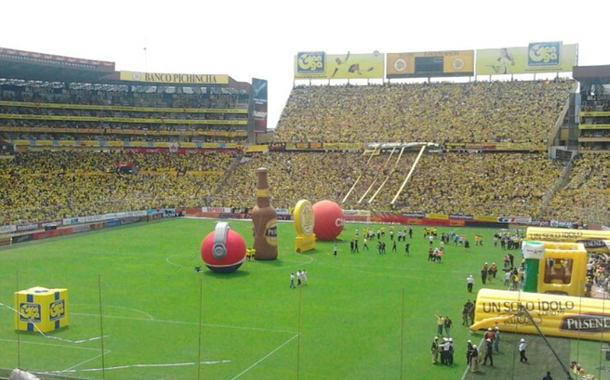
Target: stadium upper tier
x: 46, y: 98
x: 121, y: 112
x: 515, y: 111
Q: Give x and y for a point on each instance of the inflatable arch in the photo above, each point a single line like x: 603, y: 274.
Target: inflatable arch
x: 562, y: 316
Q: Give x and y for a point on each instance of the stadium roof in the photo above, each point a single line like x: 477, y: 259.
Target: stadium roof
x: 592, y: 74
x: 26, y: 65
x: 19, y: 64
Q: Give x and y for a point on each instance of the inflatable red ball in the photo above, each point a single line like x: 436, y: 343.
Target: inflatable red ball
x: 328, y: 220
x: 224, y: 250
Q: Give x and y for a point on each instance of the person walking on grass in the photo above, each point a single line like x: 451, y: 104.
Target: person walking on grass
x: 448, y: 323
x: 469, y: 283
x: 496, y: 339
x: 434, y: 350
x: 488, y: 352
x: 522, y: 347
x: 469, y: 350
x: 474, y: 359
x: 440, y: 323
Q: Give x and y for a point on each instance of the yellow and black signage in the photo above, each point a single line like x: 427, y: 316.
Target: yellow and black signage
x: 134, y: 76
x: 430, y: 64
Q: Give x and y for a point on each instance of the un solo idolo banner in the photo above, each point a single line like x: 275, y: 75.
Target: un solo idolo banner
x: 554, y: 315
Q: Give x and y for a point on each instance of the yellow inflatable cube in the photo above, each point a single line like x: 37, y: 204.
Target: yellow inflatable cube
x: 41, y: 309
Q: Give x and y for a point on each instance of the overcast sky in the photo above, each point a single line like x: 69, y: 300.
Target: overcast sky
x: 246, y: 39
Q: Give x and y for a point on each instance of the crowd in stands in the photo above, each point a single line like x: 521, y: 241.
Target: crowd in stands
x: 587, y: 191
x: 181, y: 115
x: 432, y: 112
x: 92, y: 131
x: 292, y: 177
x: 39, y: 186
x: 124, y: 95
x: 598, y: 275
x: 475, y: 184
x: 65, y: 162
x: 458, y: 183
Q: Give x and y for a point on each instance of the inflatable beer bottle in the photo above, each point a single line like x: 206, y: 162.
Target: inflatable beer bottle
x: 264, y: 219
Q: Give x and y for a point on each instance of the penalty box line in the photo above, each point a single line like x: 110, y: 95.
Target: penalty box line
x: 63, y: 346
x: 189, y: 323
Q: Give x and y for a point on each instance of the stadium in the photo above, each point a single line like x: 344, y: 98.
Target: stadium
x: 109, y: 181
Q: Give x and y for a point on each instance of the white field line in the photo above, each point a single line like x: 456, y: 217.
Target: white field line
x: 265, y: 357
x: 40, y: 332
x: 186, y: 323
x: 83, y: 362
x: 49, y: 344
x: 296, y: 263
x: 468, y: 364
x: 114, y: 307
x: 207, y: 362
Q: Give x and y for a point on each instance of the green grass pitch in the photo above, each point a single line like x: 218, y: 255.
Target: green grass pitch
x: 361, y: 316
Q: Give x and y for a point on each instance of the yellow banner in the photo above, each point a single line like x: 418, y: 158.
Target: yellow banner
x: 485, y: 218
x: 121, y: 108
x: 594, y: 152
x: 437, y: 216
x: 173, y: 173
x: 138, y: 144
x: 430, y: 64
x: 257, y: 148
x: 124, y: 119
x: 240, y: 133
x: 318, y: 65
x: 542, y: 57
x: 115, y: 143
x: 594, y: 114
x: 204, y: 173
x: 342, y: 146
x: 134, y: 76
x: 506, y: 145
x: 594, y: 126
